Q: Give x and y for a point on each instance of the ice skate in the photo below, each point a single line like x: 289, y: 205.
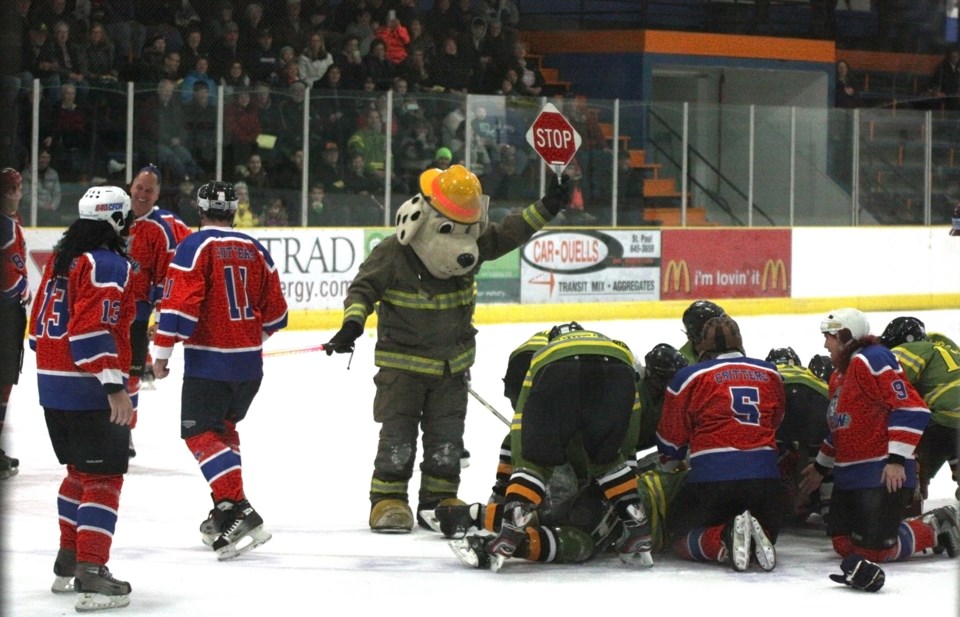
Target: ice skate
x: 63, y: 570
x: 242, y: 532
x: 763, y: 549
x: 736, y: 542
x: 946, y: 529
x: 453, y: 518
x: 472, y: 551
x: 97, y: 589
x: 9, y: 466
x: 391, y: 516
x: 635, y: 542
x: 131, y: 451
x: 211, y: 528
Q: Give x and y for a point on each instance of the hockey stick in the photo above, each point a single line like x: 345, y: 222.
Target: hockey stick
x: 487, y: 405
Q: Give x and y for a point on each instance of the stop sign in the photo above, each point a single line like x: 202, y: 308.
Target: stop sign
x: 553, y: 137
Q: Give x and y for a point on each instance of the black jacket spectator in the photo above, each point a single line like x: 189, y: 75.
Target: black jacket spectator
x: 377, y: 66
x: 225, y: 52
x: 263, y: 62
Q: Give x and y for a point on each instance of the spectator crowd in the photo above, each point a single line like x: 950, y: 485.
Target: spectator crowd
x: 269, y: 55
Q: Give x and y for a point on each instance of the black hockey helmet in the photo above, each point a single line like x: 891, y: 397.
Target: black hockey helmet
x: 561, y: 328
x: 784, y: 355
x: 217, y: 198
x: 698, y: 314
x: 903, y: 330
x: 821, y: 366
x: 660, y: 365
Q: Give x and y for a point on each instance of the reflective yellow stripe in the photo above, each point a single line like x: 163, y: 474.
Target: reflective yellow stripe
x: 422, y: 365
x: 439, y: 302
x: 388, y: 488
x: 533, y: 218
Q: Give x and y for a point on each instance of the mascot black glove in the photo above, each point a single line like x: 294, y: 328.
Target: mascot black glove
x: 860, y: 574
x: 342, y: 341
x: 558, y: 194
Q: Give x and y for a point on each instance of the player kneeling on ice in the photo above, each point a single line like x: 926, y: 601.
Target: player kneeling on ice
x: 222, y: 299
x: 725, y: 410
x: 80, y: 329
x: 422, y: 282
x: 581, y: 393
x: 876, y: 420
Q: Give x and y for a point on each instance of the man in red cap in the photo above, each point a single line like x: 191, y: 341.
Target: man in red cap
x: 14, y: 298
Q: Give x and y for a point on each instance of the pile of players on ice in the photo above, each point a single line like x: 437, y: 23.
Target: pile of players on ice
x: 743, y: 447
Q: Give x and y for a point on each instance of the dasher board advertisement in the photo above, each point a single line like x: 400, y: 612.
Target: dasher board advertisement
x: 590, y: 266
x: 726, y: 263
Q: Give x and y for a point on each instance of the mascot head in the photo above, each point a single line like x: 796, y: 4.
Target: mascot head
x: 442, y: 222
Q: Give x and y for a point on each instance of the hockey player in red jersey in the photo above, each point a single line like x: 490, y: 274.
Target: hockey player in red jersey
x: 725, y: 411
x: 80, y: 330
x: 14, y: 298
x: 151, y: 248
x: 222, y: 299
x: 876, y: 419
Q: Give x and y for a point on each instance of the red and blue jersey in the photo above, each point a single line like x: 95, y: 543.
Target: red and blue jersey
x: 725, y: 412
x: 222, y: 299
x: 151, y: 248
x: 180, y: 229
x: 80, y: 330
x: 14, y: 288
x: 874, y: 412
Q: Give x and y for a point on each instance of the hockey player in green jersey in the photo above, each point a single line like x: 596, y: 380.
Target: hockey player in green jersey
x: 932, y: 364
x: 579, y: 394
x: 803, y: 429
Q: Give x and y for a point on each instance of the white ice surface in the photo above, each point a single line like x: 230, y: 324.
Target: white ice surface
x: 308, y: 446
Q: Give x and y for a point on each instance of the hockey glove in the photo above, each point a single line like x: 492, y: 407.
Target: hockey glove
x: 516, y: 518
x: 342, y: 341
x: 860, y: 574
x: 558, y: 194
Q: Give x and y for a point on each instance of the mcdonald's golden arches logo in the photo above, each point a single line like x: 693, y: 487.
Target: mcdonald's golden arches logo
x: 774, y: 275
x: 676, y: 272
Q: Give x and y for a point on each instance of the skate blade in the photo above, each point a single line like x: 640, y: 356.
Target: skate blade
x: 643, y: 559
x: 430, y: 518
x: 62, y: 584
x: 763, y: 549
x: 496, y: 562
x: 740, y: 551
x: 91, y: 601
x: 390, y: 530
x: 245, y: 544
x: 466, y: 555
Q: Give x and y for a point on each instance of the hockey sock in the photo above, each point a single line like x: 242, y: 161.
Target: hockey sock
x: 71, y: 492
x: 504, y: 468
x: 619, y: 486
x: 97, y: 516
x: 491, y: 517
x: 701, y: 544
x: 526, y: 486
x: 231, y: 437
x: 219, y: 464
x: 541, y: 545
x: 844, y: 546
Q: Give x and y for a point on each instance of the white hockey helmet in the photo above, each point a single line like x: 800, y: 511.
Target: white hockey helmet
x: 106, y: 203
x: 850, y: 319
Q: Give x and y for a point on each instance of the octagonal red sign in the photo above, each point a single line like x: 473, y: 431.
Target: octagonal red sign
x: 553, y: 137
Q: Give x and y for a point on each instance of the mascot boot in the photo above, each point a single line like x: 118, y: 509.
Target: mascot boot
x: 391, y: 516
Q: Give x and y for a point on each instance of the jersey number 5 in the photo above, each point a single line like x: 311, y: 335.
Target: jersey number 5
x: 744, y: 402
